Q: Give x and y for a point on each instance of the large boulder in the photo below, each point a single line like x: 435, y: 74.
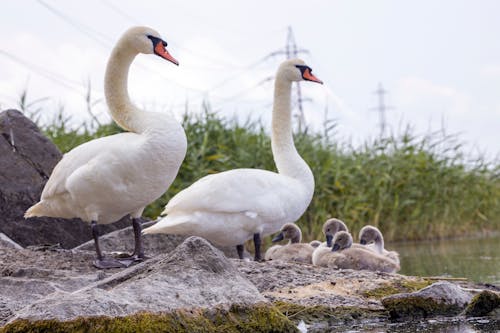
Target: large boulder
x: 29, y: 274
x: 484, y: 303
x: 27, y: 160
x: 440, y: 298
x: 194, y: 275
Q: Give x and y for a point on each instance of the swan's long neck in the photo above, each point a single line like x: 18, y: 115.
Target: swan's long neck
x: 121, y: 108
x: 286, y: 157
x: 296, y: 238
x: 379, y: 242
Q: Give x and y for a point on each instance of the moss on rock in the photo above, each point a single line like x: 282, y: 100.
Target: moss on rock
x: 415, y: 284
x: 402, y: 286
x: 482, y: 304
x: 318, y: 313
x: 417, y: 307
x: 255, y: 318
x: 382, y: 291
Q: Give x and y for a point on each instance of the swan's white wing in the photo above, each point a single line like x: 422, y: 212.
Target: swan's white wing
x: 249, y: 191
x: 99, y: 151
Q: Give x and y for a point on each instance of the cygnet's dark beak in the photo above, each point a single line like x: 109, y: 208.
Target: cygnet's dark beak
x: 335, y: 247
x: 278, y: 237
x: 329, y: 239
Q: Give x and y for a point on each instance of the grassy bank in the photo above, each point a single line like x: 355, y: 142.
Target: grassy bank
x: 411, y: 187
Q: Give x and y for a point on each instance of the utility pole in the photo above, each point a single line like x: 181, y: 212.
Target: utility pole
x: 292, y: 51
x: 381, y: 108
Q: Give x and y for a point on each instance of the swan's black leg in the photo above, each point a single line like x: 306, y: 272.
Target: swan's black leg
x: 257, y: 243
x: 240, y: 249
x: 95, y: 235
x: 138, y: 250
x: 138, y: 254
x: 101, y: 262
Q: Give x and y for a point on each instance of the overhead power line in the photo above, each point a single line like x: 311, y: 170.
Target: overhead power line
x: 121, y: 12
x: 237, y: 74
x: 89, y: 32
x: 245, y: 91
x: 291, y: 50
x: 49, y: 75
x: 105, y: 41
x: 199, y: 55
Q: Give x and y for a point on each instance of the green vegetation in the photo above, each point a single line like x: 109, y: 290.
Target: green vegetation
x: 320, y: 313
x: 410, y: 187
x: 397, y: 287
x: 418, y: 307
x: 257, y: 318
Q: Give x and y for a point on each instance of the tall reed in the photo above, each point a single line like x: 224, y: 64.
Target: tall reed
x: 411, y: 187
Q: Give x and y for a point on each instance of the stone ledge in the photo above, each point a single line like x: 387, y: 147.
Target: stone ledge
x: 256, y: 318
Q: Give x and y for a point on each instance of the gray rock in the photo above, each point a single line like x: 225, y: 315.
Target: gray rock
x: 440, y: 298
x: 483, y: 303
x: 194, y: 275
x: 28, y: 158
x: 123, y: 241
x: 5, y: 241
x: 5, y: 312
x: 27, y: 275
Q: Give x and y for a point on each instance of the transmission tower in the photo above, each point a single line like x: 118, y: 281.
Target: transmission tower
x: 291, y: 50
x: 381, y: 108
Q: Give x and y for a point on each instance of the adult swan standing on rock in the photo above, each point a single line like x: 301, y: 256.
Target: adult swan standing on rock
x: 231, y: 207
x: 106, y: 179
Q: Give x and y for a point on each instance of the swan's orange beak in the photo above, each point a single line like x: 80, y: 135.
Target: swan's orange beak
x: 162, y: 52
x: 307, y: 75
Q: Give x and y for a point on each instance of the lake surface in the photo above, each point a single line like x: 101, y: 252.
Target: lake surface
x: 435, y: 325
x: 475, y: 259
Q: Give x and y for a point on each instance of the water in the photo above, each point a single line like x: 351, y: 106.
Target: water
x: 475, y: 259
x: 436, y: 325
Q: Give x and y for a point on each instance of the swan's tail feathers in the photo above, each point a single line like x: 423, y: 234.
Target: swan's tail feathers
x: 36, y: 210
x: 49, y: 208
x: 167, y: 225
x: 151, y: 230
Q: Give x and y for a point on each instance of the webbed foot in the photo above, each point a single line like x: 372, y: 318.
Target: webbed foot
x: 131, y: 257
x: 107, y: 263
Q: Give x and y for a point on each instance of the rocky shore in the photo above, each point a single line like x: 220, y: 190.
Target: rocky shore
x: 194, y: 287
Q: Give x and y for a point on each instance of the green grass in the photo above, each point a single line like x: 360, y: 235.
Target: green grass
x: 411, y: 187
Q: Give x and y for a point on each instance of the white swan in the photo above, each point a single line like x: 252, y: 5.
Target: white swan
x: 294, y: 250
x: 231, y: 207
x: 372, y: 238
x: 343, y: 256
x: 106, y: 179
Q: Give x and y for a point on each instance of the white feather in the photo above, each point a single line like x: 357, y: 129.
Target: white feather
x: 107, y: 178
x: 228, y: 208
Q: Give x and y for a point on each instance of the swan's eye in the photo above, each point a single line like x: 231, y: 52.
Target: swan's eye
x: 302, y: 68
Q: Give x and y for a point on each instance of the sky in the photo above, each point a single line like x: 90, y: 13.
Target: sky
x: 439, y: 61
